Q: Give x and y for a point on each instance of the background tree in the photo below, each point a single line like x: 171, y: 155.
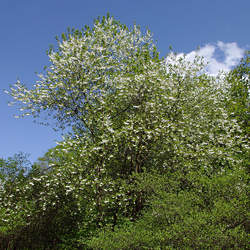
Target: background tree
x: 239, y: 79
x: 14, y: 167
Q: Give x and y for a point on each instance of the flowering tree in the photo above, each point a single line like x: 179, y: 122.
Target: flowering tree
x: 133, y: 116
x: 239, y: 79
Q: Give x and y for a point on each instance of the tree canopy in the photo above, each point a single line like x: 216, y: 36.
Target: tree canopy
x: 153, y: 159
x: 239, y: 106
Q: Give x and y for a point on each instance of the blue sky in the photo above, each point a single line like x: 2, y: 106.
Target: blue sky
x: 28, y: 27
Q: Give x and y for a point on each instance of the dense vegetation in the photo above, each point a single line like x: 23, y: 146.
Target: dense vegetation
x: 156, y: 156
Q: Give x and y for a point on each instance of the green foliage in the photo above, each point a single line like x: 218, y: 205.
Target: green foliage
x: 153, y: 160
x: 210, y: 212
x: 239, y: 79
x: 14, y: 167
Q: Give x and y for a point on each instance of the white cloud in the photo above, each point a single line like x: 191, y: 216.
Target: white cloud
x: 231, y: 54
